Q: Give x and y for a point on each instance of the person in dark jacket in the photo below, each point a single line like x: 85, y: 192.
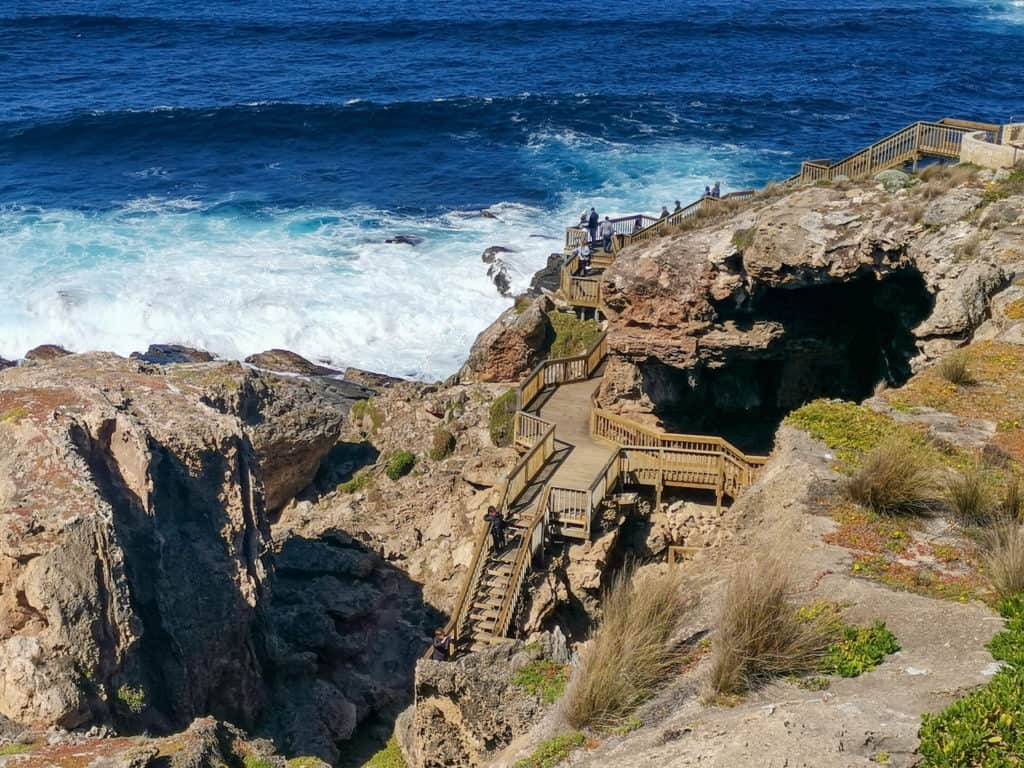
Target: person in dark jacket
x: 592, y: 223
x: 679, y: 206
x: 441, y: 648
x: 638, y: 224
x: 716, y: 191
x: 497, y: 527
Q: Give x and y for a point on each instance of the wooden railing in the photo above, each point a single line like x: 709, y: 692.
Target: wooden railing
x: 561, y: 370
x: 529, y: 429
x: 941, y: 139
x: 532, y: 542
x: 580, y: 291
x: 527, y: 468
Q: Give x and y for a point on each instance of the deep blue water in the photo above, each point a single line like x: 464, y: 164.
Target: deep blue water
x: 224, y: 173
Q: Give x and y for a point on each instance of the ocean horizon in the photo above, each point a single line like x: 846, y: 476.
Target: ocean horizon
x: 226, y: 176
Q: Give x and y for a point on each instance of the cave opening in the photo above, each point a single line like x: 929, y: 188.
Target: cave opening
x: 836, y: 340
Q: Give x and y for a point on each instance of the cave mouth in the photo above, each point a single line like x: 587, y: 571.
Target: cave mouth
x: 840, y: 340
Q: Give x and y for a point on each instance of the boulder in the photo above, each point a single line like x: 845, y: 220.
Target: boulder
x: 498, y: 273
x: 511, y: 346
x: 893, y: 180
x: 468, y: 710
x: 549, y: 278
x: 490, y: 255
x: 284, y: 361
x: 46, y: 352
x: 488, y: 469
x: 962, y: 304
x: 166, y: 354
x: 6, y: 363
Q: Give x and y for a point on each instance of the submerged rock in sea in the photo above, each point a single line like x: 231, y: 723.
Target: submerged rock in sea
x: 46, y: 352
x: 6, y: 363
x: 166, y: 354
x: 412, y: 240
x: 490, y: 254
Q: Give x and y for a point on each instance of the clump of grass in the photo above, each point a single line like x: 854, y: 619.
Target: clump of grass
x: 759, y: 634
x: 954, y: 369
x: 359, y: 481
x: 308, y: 761
x: 502, y: 419
x: 544, y: 679
x: 970, y: 498
x: 255, y: 761
x: 553, y: 751
x: 389, y: 757
x: 632, y: 651
x: 572, y: 335
x: 1003, y: 557
x: 743, y: 238
x: 363, y: 409
x: 400, y: 465
x: 1011, y: 507
x: 14, y: 749
x: 442, y: 444
x: 522, y: 303
x: 895, y: 478
x: 970, y: 248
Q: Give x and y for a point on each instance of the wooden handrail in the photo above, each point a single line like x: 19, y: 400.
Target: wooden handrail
x: 532, y: 541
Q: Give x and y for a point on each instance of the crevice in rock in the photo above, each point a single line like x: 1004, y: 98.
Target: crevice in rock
x: 827, y: 340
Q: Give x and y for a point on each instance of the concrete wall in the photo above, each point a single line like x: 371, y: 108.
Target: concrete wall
x: 975, y: 149
x: 1013, y: 134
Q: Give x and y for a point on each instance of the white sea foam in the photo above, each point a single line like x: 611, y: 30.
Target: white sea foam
x: 320, y: 282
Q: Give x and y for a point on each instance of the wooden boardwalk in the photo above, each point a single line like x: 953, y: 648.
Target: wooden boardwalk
x: 568, y: 408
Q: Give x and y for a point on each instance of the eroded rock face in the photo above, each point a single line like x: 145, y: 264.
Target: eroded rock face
x: 167, y: 354
x: 45, y: 352
x: 821, y: 292
x: 131, y: 515
x: 284, y: 361
x: 468, y: 710
x: 511, y: 345
x: 140, y: 584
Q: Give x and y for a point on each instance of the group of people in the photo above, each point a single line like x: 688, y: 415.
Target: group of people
x: 715, y: 191
x: 600, y: 231
x: 441, y: 648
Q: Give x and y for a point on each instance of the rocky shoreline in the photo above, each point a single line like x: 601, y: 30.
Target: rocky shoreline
x: 183, y: 537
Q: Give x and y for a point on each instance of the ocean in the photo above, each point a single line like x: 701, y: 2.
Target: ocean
x: 225, y: 175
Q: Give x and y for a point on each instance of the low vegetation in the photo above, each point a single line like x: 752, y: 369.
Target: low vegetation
x: 984, y: 728
x: 389, y: 757
x: 361, y: 480
x: 760, y: 634
x: 572, y: 335
x: 632, y: 651
x: 442, y: 444
x: 544, y: 679
x: 132, y: 698
x: 743, y: 238
x: 501, y: 423
x: 367, y: 410
x: 894, y: 478
x: 255, y: 761
x: 954, y: 369
x: 857, y: 650
x: 1003, y: 557
x: 400, y: 465
x: 969, y: 498
x: 553, y: 751
x: 1012, y: 185
x: 14, y: 749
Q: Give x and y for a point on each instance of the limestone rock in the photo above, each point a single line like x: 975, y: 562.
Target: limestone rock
x: 489, y: 469
x: 45, y: 352
x: 6, y: 363
x: 549, y: 278
x: 510, y: 346
x: 963, y: 304
x: 498, y: 272
x: 467, y: 710
x: 950, y: 207
x: 412, y: 240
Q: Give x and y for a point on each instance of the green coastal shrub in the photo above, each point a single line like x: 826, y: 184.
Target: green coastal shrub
x: 364, y: 409
x: 14, y: 749
x: 986, y: 727
x: 543, y: 678
x: 553, y: 751
x: 502, y: 419
x: 859, y: 650
x: 133, y: 698
x: 389, y: 757
x: 572, y: 335
x: 442, y: 444
x: 361, y: 480
x: 400, y: 465
x: 255, y: 761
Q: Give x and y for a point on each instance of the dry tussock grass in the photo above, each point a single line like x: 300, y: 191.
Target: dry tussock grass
x: 632, y: 652
x: 1004, y: 556
x: 759, y: 634
x: 895, y: 478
